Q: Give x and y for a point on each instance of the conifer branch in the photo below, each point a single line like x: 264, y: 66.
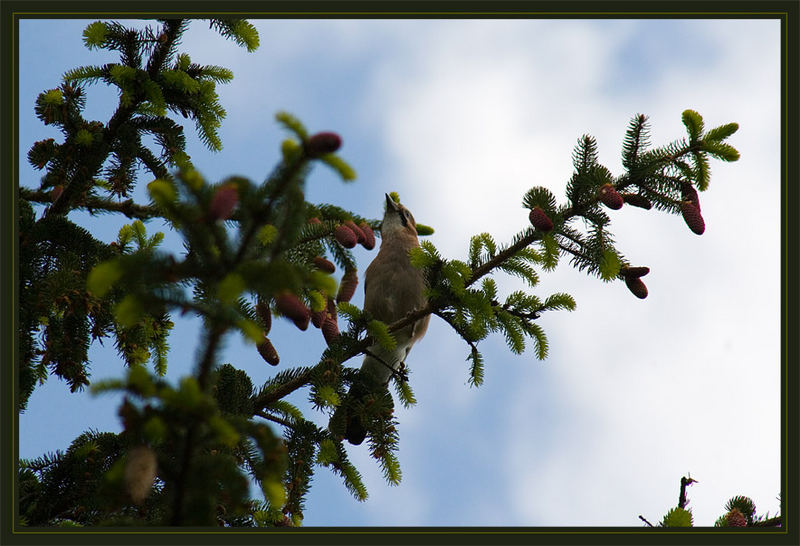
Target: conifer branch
x: 275, y: 419
x: 93, y: 203
x: 123, y: 114
x: 172, y: 29
x: 430, y: 308
x: 460, y: 331
x: 576, y: 253
x: 277, y: 393
x: 533, y: 315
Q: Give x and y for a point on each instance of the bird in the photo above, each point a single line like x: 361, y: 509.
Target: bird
x: 393, y: 288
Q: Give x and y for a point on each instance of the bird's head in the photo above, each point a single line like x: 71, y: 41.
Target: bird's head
x: 397, y: 219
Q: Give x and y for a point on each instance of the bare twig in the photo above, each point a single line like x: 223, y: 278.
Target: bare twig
x: 682, y: 500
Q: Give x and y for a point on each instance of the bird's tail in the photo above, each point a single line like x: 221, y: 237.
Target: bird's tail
x: 375, y: 372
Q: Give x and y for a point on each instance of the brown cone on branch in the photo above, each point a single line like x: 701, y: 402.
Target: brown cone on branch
x: 346, y: 237
x: 314, y: 220
x: 610, y: 197
x: 369, y: 236
x: 637, y: 200
x: 303, y: 322
x: 323, y: 143
x: 688, y: 193
x: 348, y: 285
x: 318, y: 317
x: 360, y: 238
x: 540, y: 220
x: 692, y: 217
x: 634, y: 272
x: 637, y: 287
x: 330, y: 330
x: 292, y: 308
x: 324, y: 265
x: 736, y: 518
x: 268, y: 352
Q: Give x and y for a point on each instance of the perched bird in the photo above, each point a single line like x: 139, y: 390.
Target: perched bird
x: 393, y: 288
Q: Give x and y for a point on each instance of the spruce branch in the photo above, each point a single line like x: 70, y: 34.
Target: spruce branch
x: 93, y: 203
x: 583, y: 159
x: 76, y: 185
x: 432, y: 307
x: 275, y: 419
x: 170, y: 34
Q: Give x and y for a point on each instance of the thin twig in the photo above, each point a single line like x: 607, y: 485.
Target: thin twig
x: 641, y: 517
x: 682, y: 500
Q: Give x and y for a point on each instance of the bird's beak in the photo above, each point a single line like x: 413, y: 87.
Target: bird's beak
x: 390, y: 204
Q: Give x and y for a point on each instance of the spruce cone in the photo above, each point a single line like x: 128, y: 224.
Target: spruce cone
x: 303, y: 323
x: 369, y: 236
x: 323, y: 143
x: 140, y: 473
x: 330, y: 330
x: 637, y: 287
x: 360, y: 238
x: 223, y: 202
x: 346, y: 237
x: 268, y: 352
x: 292, y: 308
x: 324, y: 265
x: 688, y: 193
x: 348, y: 285
x: 318, y: 318
x: 314, y: 220
x: 637, y: 200
x: 332, y: 308
x: 264, y: 315
x: 634, y: 272
x: 692, y: 217
x: 610, y: 197
x: 540, y: 220
x: 736, y: 519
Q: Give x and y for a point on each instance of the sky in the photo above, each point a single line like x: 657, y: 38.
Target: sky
x: 461, y: 117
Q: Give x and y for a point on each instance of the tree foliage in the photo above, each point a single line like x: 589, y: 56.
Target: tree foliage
x: 740, y: 511
x: 254, y: 252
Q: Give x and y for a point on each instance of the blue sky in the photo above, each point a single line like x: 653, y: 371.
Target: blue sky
x: 461, y: 117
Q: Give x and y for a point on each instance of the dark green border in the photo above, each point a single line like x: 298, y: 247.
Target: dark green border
x: 787, y: 11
